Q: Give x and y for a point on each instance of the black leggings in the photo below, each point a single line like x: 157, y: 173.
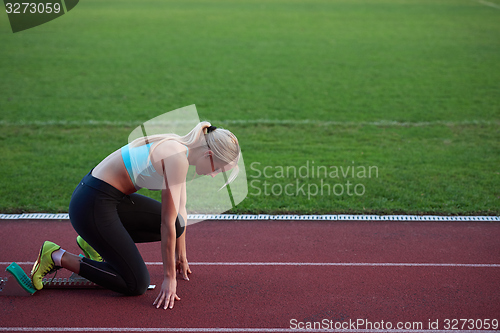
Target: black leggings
x: 112, y: 222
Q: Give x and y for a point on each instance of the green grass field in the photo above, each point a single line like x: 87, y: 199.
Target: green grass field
x: 410, y: 88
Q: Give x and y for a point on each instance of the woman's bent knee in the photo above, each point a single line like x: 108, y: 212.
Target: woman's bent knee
x: 140, y: 286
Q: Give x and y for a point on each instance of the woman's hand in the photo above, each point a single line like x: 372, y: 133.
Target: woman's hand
x: 167, y: 293
x: 182, y: 268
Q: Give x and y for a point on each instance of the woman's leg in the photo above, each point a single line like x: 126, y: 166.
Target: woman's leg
x: 94, y: 216
x: 111, y: 227
x: 141, y: 217
x: 123, y: 269
x: 71, y: 262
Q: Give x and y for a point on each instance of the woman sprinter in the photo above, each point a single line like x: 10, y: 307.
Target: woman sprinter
x: 110, y: 217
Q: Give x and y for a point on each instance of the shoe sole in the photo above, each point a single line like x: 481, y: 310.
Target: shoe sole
x: 36, y: 266
x: 37, y: 262
x: 85, y: 253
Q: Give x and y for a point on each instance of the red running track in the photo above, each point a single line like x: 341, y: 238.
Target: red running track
x: 341, y: 273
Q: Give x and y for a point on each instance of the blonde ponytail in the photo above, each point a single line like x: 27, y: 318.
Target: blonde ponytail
x: 220, y: 141
x: 188, y: 139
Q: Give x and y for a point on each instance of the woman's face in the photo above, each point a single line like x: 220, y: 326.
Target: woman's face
x: 211, y: 166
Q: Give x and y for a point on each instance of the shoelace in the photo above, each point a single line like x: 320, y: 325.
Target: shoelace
x: 50, y: 269
x: 53, y: 269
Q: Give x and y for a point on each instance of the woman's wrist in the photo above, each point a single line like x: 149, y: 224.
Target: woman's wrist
x: 169, y: 275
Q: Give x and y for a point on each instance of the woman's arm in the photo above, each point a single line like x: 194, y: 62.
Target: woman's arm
x: 182, y: 263
x: 174, y: 176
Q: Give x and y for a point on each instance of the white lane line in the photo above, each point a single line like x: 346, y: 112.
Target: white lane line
x: 17, y: 262
x: 487, y: 3
x: 202, y: 329
x: 278, y: 122
x: 330, y: 264
x: 348, y: 264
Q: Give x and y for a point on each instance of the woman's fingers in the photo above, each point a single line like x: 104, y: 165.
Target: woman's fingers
x: 159, y: 299
x: 185, y: 274
x: 184, y: 270
x: 167, y: 304
x: 169, y: 301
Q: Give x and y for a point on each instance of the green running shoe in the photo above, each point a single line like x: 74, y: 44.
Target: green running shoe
x: 88, y: 251
x: 44, y: 264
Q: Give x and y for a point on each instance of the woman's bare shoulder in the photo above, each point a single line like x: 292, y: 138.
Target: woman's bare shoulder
x: 170, y: 152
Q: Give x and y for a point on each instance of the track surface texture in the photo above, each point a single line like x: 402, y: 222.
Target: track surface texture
x: 264, y: 276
